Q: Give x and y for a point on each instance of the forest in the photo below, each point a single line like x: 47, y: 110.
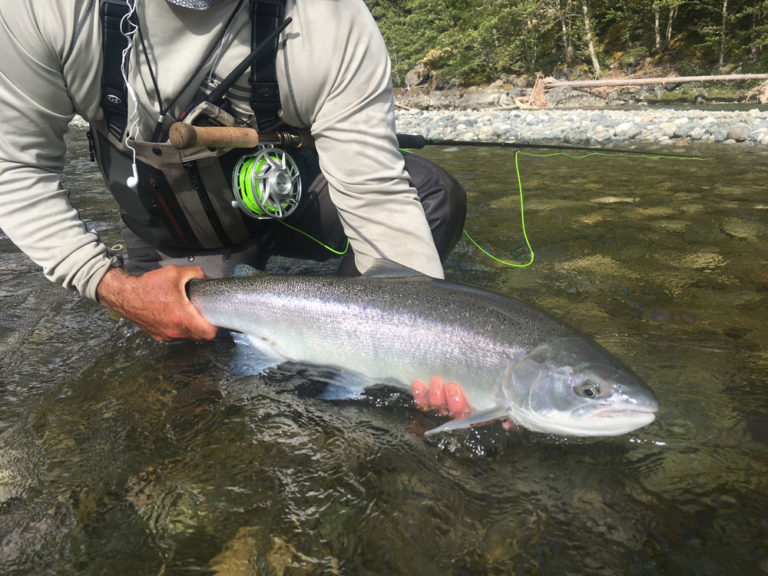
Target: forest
x: 472, y: 42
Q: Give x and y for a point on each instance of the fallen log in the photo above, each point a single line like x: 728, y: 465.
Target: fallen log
x: 552, y: 83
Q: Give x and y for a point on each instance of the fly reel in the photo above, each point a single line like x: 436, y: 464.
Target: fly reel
x: 267, y: 184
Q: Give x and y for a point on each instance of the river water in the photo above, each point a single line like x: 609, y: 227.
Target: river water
x: 119, y: 455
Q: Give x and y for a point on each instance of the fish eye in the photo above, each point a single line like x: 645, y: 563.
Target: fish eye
x: 587, y: 389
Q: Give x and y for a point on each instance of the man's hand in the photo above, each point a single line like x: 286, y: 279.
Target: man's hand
x: 157, y: 302
x: 447, y: 399
x: 440, y: 397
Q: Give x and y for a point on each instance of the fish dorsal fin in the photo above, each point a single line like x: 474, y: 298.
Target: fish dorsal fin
x: 474, y: 419
x: 383, y: 268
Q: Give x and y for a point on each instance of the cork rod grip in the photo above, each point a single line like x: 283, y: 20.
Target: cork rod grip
x: 183, y: 136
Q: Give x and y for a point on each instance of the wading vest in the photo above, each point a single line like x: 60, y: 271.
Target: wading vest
x: 183, y: 199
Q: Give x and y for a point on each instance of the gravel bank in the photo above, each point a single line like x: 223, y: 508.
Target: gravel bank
x: 659, y: 127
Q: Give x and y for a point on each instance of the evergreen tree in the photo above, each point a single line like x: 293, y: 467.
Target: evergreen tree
x: 477, y: 41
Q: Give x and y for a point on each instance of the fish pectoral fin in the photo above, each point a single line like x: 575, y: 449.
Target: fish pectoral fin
x: 251, y: 359
x: 474, y: 419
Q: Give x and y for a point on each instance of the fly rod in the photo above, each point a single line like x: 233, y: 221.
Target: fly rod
x: 416, y: 141
x: 220, y: 91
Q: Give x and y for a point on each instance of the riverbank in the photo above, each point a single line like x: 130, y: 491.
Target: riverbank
x: 659, y: 115
x: 595, y: 127
x: 601, y: 127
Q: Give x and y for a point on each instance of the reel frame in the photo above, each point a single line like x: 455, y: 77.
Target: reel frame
x: 266, y: 184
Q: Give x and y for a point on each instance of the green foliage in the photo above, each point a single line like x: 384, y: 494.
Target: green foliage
x: 633, y: 58
x: 482, y: 40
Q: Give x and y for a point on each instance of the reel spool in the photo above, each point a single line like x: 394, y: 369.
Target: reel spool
x: 267, y: 184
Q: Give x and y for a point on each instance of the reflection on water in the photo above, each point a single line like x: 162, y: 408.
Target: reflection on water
x: 120, y: 455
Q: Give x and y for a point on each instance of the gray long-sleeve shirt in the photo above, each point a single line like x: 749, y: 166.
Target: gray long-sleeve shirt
x: 334, y: 77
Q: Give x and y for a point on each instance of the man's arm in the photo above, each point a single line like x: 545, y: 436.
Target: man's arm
x: 35, y: 211
x: 35, y: 111
x: 337, y: 82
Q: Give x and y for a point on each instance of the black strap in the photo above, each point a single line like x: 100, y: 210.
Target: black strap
x: 114, y: 93
x: 266, y: 17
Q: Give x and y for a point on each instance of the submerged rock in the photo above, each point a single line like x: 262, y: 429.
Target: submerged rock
x: 742, y: 229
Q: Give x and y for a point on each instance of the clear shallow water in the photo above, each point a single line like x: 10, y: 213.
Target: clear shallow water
x: 120, y: 455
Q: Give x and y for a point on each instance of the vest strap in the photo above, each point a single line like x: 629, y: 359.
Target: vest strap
x: 266, y: 16
x: 114, y: 93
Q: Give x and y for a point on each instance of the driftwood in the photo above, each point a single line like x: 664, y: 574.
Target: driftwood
x: 538, y: 96
x: 552, y: 83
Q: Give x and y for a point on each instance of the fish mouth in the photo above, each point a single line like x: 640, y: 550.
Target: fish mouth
x: 632, y: 412
x: 613, y: 410
x: 612, y: 420
x: 599, y: 421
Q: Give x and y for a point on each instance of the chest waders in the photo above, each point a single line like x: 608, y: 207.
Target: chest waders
x: 182, y: 203
x: 197, y: 198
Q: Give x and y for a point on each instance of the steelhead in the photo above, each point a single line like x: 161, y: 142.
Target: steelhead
x: 513, y: 361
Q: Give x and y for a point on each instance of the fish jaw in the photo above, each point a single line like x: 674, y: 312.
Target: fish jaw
x: 571, y: 387
x: 614, y: 420
x: 620, y: 419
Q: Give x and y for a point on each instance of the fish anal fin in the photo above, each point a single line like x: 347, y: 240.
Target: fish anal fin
x: 474, y: 419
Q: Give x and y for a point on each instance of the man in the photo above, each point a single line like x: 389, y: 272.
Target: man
x: 333, y: 74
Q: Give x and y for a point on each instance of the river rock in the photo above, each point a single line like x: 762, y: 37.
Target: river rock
x: 703, y: 261
x: 417, y: 76
x: 738, y: 132
x: 667, y: 129
x: 683, y: 129
x: 628, y: 130
x: 719, y: 134
x: 742, y: 229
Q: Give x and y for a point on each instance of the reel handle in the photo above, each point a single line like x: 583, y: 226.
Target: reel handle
x: 184, y: 136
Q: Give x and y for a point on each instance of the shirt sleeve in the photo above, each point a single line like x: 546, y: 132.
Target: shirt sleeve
x: 337, y: 71
x: 35, y: 111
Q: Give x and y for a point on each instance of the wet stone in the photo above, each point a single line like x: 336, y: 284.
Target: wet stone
x: 742, y: 229
x: 738, y: 132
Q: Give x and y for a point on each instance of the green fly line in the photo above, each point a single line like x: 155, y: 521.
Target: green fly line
x: 574, y: 156
x: 528, y: 245
x: 330, y: 249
